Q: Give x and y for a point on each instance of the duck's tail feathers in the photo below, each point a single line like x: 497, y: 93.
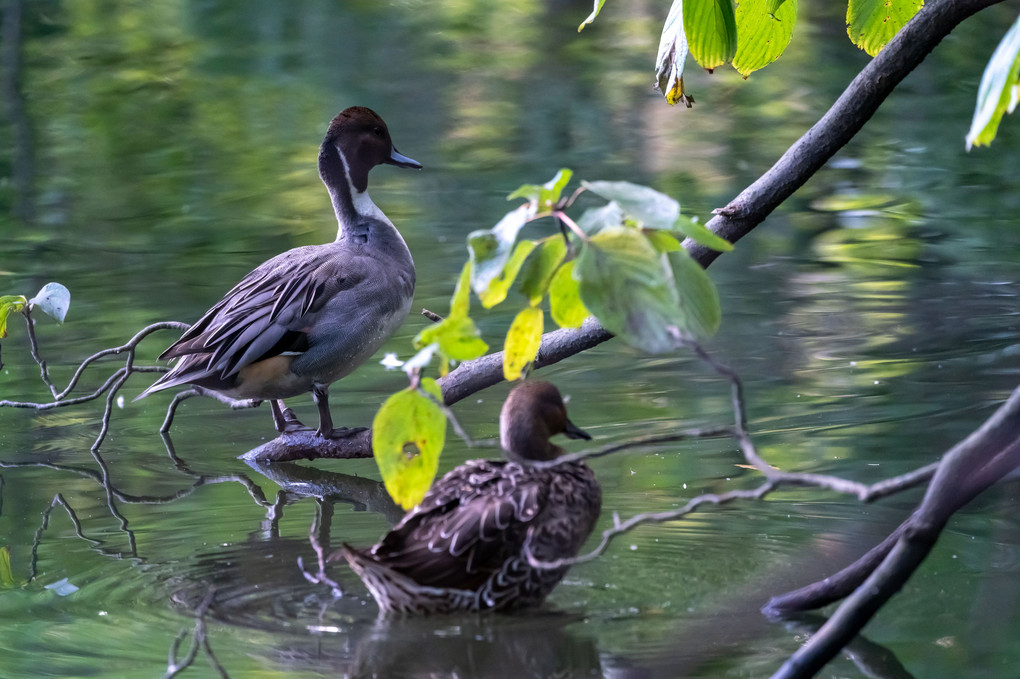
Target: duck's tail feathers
x: 184, y: 372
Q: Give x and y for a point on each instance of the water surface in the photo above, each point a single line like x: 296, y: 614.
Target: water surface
x: 874, y: 320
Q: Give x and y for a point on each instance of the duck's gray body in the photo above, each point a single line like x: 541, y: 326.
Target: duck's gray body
x: 308, y: 317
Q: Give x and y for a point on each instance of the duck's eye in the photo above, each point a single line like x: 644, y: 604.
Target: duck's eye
x: 377, y: 131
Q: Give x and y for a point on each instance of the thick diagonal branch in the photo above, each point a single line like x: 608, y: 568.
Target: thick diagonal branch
x: 804, y: 158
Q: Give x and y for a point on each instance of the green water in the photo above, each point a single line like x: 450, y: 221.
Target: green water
x: 874, y: 320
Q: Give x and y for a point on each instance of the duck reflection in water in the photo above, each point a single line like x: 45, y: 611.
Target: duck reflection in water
x: 464, y: 547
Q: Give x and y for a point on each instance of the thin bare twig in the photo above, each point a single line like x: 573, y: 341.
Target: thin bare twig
x: 620, y: 527
x: 199, y: 639
x: 321, y: 523
x: 774, y: 478
x: 181, y: 396
x: 60, y: 396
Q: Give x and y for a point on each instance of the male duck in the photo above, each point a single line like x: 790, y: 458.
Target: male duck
x: 463, y: 548
x: 310, y: 316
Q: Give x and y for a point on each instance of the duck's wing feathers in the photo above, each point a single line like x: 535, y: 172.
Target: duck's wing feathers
x: 467, y: 527
x: 266, y: 314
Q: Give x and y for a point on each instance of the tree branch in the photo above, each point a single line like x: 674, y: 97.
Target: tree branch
x: 804, y: 158
x: 972, y: 466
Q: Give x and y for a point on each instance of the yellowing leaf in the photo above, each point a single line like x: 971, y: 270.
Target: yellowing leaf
x: 522, y: 343
x: 8, y: 304
x: 540, y: 267
x: 591, y: 17
x: 764, y: 32
x: 671, y: 57
x: 457, y: 336
x: 565, y: 303
x: 408, y: 434
x: 490, y: 248
x: 999, y: 90
x: 873, y: 23
x: 460, y: 303
x: 711, y: 29
x: 495, y: 291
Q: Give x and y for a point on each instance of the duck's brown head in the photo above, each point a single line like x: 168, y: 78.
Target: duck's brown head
x: 533, y: 413
x: 361, y: 137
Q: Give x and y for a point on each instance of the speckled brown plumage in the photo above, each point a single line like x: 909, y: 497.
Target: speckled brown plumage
x: 463, y: 547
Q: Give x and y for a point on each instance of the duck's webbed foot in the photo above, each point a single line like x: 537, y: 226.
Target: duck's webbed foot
x: 326, y: 429
x: 344, y: 432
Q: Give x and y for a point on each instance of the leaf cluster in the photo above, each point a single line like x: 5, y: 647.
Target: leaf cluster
x: 620, y: 261
x: 751, y: 34
x: 999, y: 90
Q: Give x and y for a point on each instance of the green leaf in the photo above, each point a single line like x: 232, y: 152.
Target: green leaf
x: 565, y: 303
x: 671, y: 57
x: 546, y: 196
x: 408, y: 434
x: 490, y: 249
x: 522, y: 342
x: 498, y: 286
x: 591, y: 17
x: 662, y: 241
x: 765, y: 30
x: 460, y: 303
x: 643, y: 204
x: 540, y: 267
x: 700, y: 234
x: 457, y: 336
x: 8, y: 304
x: 873, y: 23
x: 528, y: 192
x: 6, y: 573
x: 595, y: 219
x: 698, y: 298
x: 999, y: 90
x: 53, y: 299
x: 624, y: 282
x: 711, y: 29
x: 552, y: 190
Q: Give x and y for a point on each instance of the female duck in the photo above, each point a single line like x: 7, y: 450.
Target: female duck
x: 310, y: 316
x: 465, y: 547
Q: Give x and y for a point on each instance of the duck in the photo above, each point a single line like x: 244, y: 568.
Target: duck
x: 465, y: 546
x: 309, y: 316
